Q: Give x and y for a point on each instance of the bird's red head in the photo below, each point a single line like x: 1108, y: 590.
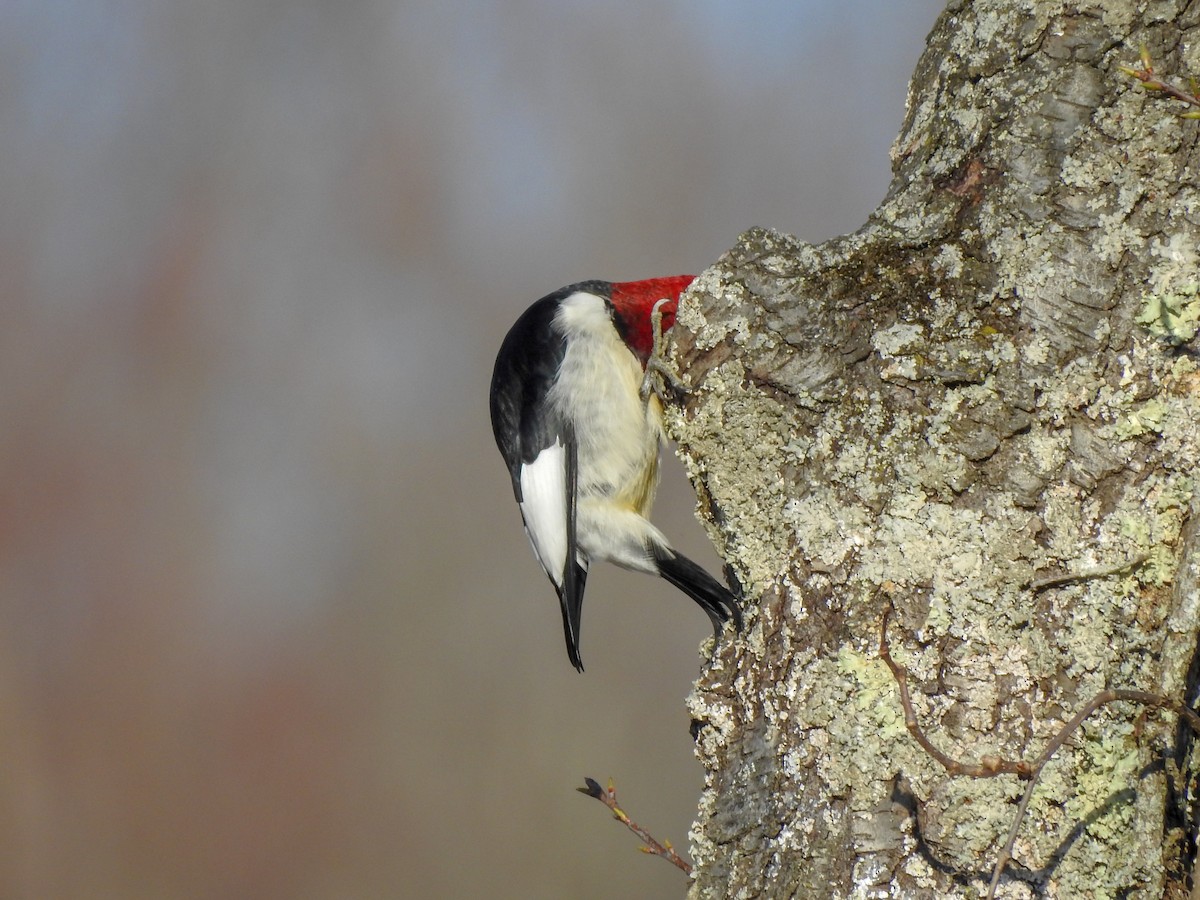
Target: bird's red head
x: 634, y: 302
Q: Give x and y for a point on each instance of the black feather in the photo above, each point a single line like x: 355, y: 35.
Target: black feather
x: 525, y: 424
x: 712, y: 596
x: 570, y: 596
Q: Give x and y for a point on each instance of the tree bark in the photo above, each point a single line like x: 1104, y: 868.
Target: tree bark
x: 992, y: 383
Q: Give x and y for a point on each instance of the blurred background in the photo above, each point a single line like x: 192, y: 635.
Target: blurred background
x: 269, y: 624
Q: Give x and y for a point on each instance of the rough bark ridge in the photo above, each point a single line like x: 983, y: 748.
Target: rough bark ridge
x: 982, y: 387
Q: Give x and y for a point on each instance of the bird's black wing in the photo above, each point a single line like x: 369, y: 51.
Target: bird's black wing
x: 539, y: 448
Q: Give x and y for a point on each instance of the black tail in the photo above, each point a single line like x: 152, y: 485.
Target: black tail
x: 571, y: 599
x: 570, y: 596
x: 710, y: 594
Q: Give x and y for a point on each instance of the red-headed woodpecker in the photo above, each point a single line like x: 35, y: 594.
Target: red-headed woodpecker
x: 581, y: 437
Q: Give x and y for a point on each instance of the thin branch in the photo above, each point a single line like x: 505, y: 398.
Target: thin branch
x: 1040, y: 584
x: 1146, y: 75
x: 990, y: 766
x: 1063, y: 735
x: 649, y: 845
x: 987, y: 767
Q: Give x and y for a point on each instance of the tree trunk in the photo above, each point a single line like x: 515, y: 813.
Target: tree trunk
x: 992, y: 383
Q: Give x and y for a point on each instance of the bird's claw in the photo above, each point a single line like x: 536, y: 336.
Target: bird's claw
x: 660, y: 377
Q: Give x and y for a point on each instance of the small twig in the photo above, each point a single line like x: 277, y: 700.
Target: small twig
x: 649, y: 845
x: 1147, y: 76
x: 990, y: 766
x: 1040, y: 584
x: 1064, y: 733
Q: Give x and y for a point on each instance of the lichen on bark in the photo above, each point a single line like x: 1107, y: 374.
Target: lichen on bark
x: 936, y: 411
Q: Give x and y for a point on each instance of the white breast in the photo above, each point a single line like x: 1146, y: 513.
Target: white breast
x: 597, y: 389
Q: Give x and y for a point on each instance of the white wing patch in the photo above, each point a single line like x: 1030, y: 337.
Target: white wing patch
x: 544, y: 508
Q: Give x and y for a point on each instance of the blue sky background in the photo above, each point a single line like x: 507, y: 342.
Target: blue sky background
x: 269, y: 625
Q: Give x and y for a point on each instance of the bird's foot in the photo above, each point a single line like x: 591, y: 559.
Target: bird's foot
x: 660, y: 377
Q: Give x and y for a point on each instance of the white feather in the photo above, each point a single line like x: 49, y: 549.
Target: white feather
x: 617, y: 433
x: 616, y: 534
x: 544, y: 508
x: 597, y: 389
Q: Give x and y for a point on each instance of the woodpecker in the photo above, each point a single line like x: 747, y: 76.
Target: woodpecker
x: 580, y: 433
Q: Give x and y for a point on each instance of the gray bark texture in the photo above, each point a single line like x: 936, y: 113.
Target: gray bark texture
x: 992, y: 383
